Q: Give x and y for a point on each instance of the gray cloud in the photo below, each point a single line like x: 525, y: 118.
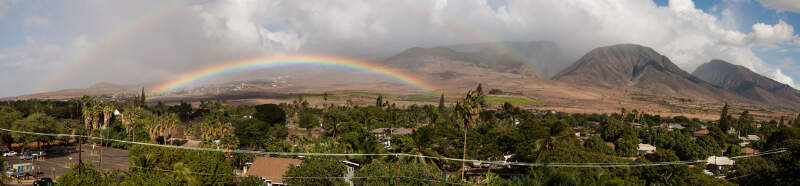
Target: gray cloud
x: 786, y: 5
x: 143, y: 41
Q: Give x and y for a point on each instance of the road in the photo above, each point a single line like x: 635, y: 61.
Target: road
x: 56, y: 163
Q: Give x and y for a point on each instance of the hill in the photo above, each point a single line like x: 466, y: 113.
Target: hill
x: 414, y: 58
x: 747, y: 83
x: 545, y: 56
x: 637, y: 68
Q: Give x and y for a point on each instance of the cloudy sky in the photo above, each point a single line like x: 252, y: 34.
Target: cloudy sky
x: 51, y: 45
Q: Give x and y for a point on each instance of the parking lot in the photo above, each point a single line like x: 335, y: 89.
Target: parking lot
x: 57, y: 160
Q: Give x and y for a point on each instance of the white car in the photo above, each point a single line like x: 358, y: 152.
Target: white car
x: 9, y: 153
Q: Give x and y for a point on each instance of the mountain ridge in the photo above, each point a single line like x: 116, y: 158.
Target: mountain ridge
x: 745, y: 82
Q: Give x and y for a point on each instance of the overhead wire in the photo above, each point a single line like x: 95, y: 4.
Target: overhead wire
x: 573, y: 165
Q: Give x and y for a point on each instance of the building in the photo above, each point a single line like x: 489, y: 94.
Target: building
x: 646, y: 149
x: 385, y: 134
x: 719, y: 164
x: 271, y: 169
x: 700, y: 133
x: 752, y: 138
x: 748, y: 150
x: 613, y: 147
x: 675, y: 127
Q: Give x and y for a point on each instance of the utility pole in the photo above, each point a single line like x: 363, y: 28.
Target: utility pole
x: 102, y: 141
x: 80, y: 161
x: 397, y: 171
x: 464, y: 155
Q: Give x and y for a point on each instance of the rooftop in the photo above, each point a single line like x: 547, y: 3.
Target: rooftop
x: 719, y: 160
x: 271, y: 168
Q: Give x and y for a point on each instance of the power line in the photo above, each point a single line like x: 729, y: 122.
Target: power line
x: 573, y: 165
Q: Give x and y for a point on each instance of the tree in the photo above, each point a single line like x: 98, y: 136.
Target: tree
x: 308, y: 120
x: 86, y: 175
x: 596, y: 144
x: 614, y: 129
x: 40, y: 123
x: 131, y: 117
x: 8, y: 115
x: 626, y: 147
x: 441, y: 102
x: 107, y: 109
x: 252, y: 133
x: 252, y: 181
x: 410, y: 173
x: 797, y: 121
x: 270, y: 113
x: 316, y: 168
x: 734, y: 150
x: 470, y: 109
x: 184, y: 111
x: 724, y: 121
x: 495, y: 91
x: 379, y: 101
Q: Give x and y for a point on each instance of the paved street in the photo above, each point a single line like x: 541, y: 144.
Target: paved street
x: 57, y: 162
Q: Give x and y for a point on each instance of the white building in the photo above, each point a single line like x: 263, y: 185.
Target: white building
x: 646, y: 148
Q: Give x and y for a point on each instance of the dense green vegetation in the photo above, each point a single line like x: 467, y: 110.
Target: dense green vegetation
x: 519, y: 101
x: 464, y: 129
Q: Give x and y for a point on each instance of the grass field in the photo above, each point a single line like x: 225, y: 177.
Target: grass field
x: 429, y: 97
x: 356, y: 94
x: 516, y: 101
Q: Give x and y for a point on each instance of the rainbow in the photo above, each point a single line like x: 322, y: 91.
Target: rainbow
x: 270, y: 62
x: 114, y: 38
x: 473, y: 31
x: 156, y: 14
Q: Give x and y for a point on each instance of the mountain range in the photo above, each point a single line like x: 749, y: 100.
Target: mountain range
x: 747, y: 83
x: 638, y: 68
x: 603, y: 79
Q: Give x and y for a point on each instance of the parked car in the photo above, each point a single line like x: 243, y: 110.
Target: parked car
x: 26, y: 156
x: 11, y: 171
x: 37, y: 153
x: 9, y: 153
x: 45, y: 181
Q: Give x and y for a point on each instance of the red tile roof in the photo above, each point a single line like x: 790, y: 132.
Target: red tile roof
x: 704, y: 132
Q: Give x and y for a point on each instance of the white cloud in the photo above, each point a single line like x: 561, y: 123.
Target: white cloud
x: 81, y: 42
x: 780, y: 77
x: 147, y: 42
x: 681, y: 5
x: 772, y: 34
x: 787, y: 5
x: 36, y: 21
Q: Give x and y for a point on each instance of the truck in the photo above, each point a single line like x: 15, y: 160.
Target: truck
x: 21, y: 170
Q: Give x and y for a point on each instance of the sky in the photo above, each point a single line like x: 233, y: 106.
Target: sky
x: 52, y: 45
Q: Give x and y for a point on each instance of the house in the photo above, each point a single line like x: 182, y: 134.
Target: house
x: 700, y: 133
x: 385, y: 134
x: 646, y: 149
x: 748, y: 150
x: 613, y: 147
x: 747, y: 139
x: 752, y: 138
x: 675, y: 127
x: 719, y: 164
x: 732, y: 131
x: 270, y: 169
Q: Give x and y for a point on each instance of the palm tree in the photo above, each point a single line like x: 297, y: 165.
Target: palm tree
x: 470, y: 109
x: 169, y: 123
x: 107, y: 109
x: 129, y: 118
